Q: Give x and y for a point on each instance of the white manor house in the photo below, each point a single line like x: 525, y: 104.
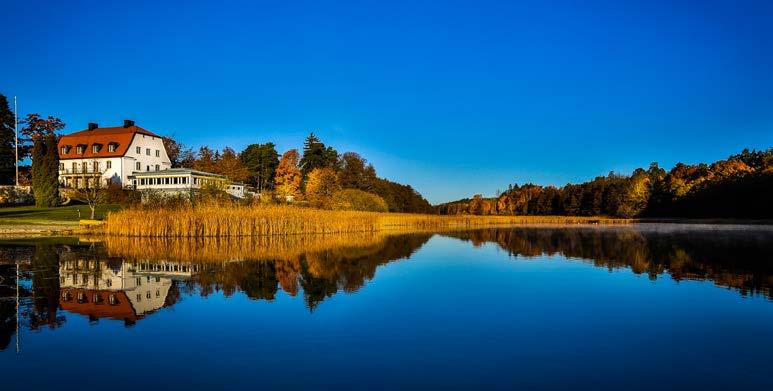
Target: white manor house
x: 130, y: 156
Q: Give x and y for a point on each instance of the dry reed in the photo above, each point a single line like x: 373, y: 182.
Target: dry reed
x: 242, y: 220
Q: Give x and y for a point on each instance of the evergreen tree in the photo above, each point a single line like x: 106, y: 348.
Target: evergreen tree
x: 317, y: 155
x: 261, y: 161
x: 45, y: 171
x: 7, y: 147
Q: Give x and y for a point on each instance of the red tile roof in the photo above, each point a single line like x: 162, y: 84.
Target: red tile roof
x: 120, y: 136
x: 122, y: 309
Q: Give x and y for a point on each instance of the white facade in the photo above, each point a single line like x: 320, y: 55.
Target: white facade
x: 183, y: 181
x: 145, y: 284
x: 145, y: 153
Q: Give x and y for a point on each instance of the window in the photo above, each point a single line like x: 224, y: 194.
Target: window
x: 147, y: 151
x: 139, y: 297
x: 147, y: 168
x: 139, y: 281
x: 139, y: 150
x: 111, y: 147
x: 61, y: 166
x: 147, y: 295
x: 158, y: 168
x: 79, y: 150
x: 64, y: 150
x: 95, y: 166
x: 138, y: 166
x: 158, y: 153
x: 112, y: 299
x: 108, y: 164
x: 158, y: 293
x: 95, y: 148
x: 109, y: 282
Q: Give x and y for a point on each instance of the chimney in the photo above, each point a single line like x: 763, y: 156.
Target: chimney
x: 93, y: 126
x: 128, y: 123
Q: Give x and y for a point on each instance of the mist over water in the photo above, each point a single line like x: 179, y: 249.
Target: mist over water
x: 538, y: 307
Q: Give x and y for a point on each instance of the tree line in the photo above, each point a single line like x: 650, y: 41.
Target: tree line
x: 318, y: 175
x: 737, y: 187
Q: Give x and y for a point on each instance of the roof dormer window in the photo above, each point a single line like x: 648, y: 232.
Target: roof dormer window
x: 111, y: 147
x: 95, y: 148
x: 79, y: 149
x: 65, y: 149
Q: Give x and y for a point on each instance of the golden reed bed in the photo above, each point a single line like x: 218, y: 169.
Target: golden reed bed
x: 237, y: 220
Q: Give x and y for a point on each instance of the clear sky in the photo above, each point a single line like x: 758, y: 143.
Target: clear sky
x: 454, y: 98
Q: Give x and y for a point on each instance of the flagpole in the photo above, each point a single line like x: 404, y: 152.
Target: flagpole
x: 17, y: 306
x: 16, y: 130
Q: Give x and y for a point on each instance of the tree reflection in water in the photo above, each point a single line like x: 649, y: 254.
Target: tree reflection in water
x: 130, y: 278
x: 736, y: 257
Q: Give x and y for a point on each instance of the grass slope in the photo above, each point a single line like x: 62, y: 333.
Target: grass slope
x: 64, y: 215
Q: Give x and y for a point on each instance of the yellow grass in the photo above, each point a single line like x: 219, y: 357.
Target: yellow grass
x: 242, y: 220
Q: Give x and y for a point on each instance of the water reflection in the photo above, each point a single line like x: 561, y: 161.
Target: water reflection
x: 732, y: 256
x: 128, y: 279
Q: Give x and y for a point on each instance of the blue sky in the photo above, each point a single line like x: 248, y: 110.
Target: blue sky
x: 452, y: 97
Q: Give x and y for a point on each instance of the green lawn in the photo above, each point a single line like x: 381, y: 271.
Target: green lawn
x: 59, y: 215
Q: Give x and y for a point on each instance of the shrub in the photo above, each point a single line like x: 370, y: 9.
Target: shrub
x: 353, y: 199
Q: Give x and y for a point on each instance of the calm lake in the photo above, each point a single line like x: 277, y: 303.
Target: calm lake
x: 641, y: 307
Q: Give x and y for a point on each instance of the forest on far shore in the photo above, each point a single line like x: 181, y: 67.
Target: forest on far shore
x: 739, y: 187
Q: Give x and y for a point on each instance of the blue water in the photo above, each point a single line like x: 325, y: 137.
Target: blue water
x: 459, y: 312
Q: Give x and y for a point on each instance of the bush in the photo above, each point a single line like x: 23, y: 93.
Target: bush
x: 353, y: 199
x: 12, y: 195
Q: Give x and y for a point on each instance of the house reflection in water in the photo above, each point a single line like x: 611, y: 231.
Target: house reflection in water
x: 125, y: 291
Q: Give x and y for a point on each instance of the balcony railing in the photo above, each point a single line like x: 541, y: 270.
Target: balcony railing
x: 71, y: 171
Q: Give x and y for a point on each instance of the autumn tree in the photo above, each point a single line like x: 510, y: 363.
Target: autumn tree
x: 355, y: 172
x: 321, y: 185
x: 316, y: 155
x: 187, y: 158
x: 206, y: 160
x: 288, y: 175
x: 173, y: 150
x: 35, y: 126
x: 261, y: 161
x: 231, y: 166
x: 7, y: 143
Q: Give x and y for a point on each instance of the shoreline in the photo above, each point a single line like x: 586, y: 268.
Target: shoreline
x: 76, y: 229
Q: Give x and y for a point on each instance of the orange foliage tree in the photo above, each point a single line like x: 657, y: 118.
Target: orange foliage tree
x: 321, y: 185
x: 288, y: 175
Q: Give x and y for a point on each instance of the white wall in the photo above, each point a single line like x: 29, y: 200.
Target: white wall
x: 145, y: 142
x: 122, y: 167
